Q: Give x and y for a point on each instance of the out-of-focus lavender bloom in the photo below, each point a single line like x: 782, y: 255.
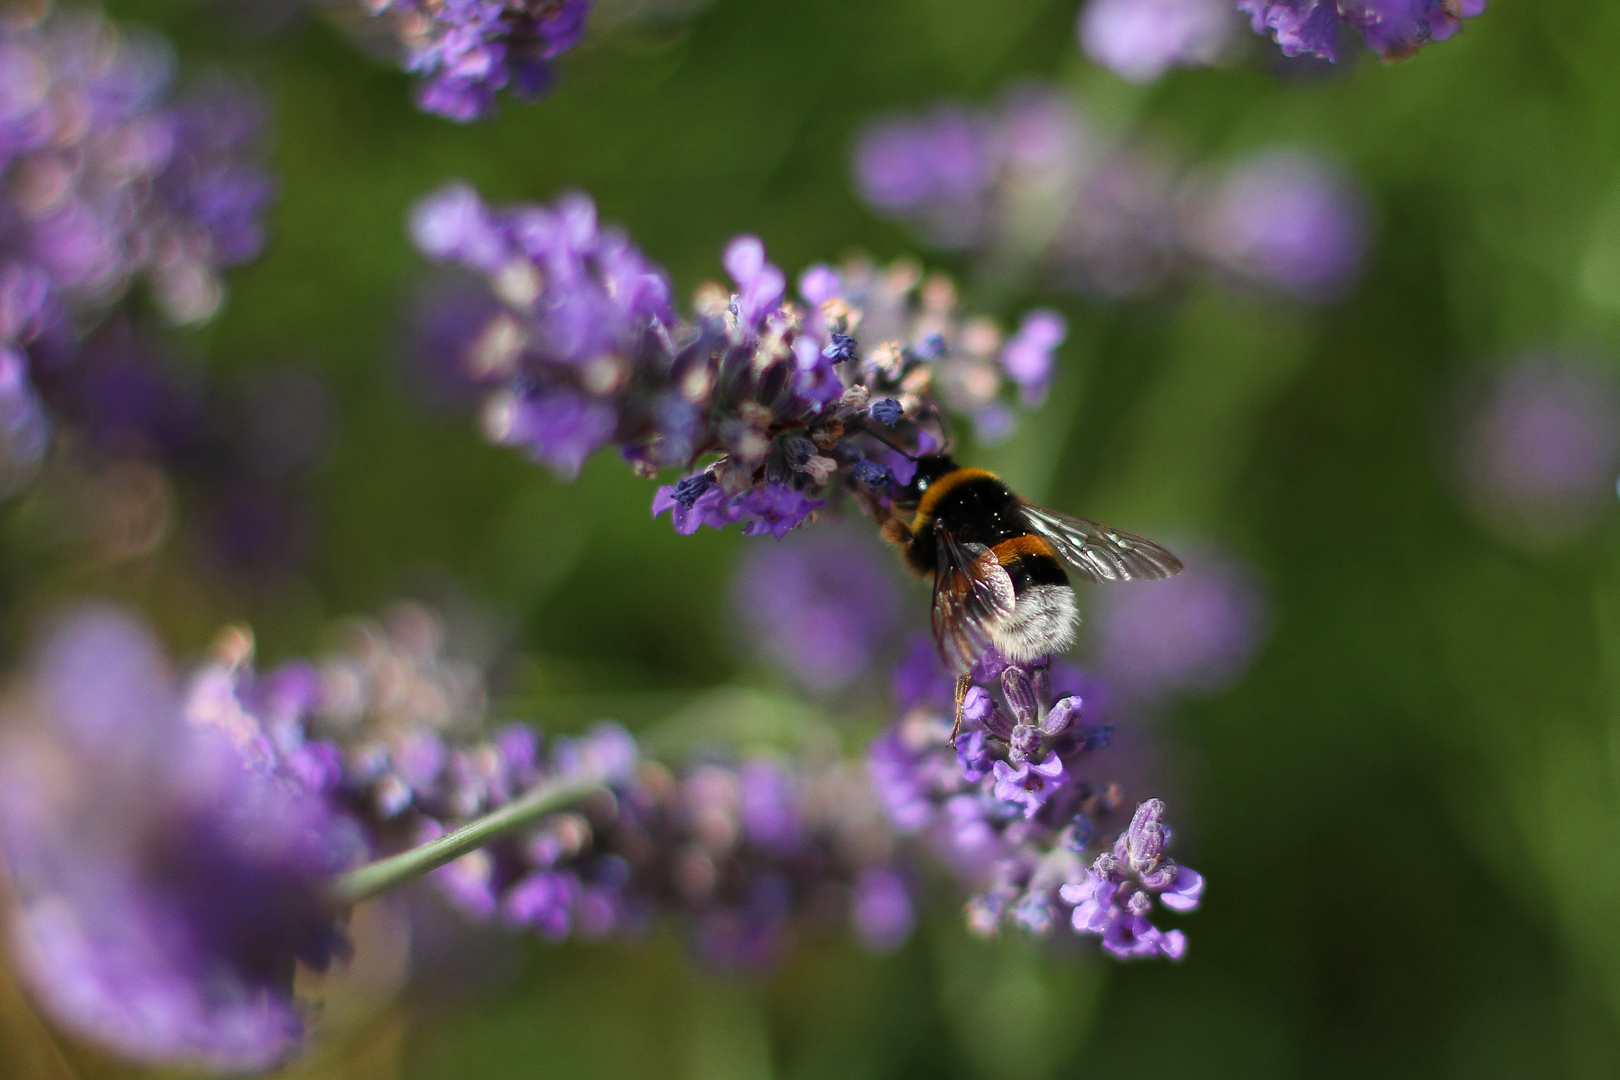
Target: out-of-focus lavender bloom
x: 935, y: 169
x: 107, y: 178
x: 25, y: 430
x: 466, y: 51
x: 883, y: 910
x: 1539, y: 448
x: 1194, y: 633
x: 1285, y: 220
x: 791, y: 407
x: 819, y: 606
x: 1142, y: 39
x: 168, y: 868
x: 1119, y: 237
x: 1394, y: 29
x: 1114, y: 218
x: 1012, y: 807
x: 241, y: 453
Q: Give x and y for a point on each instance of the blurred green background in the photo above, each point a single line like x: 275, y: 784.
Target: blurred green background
x: 1408, y: 813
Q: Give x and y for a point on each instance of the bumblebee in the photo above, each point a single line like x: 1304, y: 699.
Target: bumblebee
x: 998, y: 563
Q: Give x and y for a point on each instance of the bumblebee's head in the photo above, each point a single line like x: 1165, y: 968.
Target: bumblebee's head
x: 930, y: 467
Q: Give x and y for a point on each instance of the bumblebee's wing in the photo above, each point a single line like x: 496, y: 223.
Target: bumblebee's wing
x: 972, y: 592
x: 1098, y: 552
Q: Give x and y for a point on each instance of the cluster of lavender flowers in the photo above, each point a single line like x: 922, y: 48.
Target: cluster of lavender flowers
x: 1391, y: 28
x: 108, y: 176
x: 1142, y: 39
x: 798, y: 406
x: 1030, y: 181
x: 172, y: 844
x: 741, y: 852
x: 466, y: 51
x: 1015, y: 806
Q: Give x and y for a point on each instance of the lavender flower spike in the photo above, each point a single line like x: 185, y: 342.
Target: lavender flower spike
x: 735, y: 853
x: 1013, y: 809
x: 1394, y: 29
x: 772, y: 409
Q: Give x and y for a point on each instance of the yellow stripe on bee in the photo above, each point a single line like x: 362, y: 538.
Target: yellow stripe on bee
x: 943, y: 487
x: 1009, y: 551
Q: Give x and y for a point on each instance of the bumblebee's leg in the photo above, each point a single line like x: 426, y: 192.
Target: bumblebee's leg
x: 961, y: 695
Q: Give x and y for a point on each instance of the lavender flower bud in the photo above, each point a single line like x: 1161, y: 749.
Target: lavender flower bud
x: 1015, y: 683
x: 887, y: 411
x: 841, y: 347
x: 687, y: 491
x: 1063, y: 712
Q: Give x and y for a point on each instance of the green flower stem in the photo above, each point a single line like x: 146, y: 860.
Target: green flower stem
x: 362, y: 883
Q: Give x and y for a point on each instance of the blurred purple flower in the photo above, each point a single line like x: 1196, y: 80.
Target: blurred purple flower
x: 1286, y: 220
x: 1540, y: 446
x: 934, y: 168
x: 883, y: 912
x: 1120, y: 237
x: 1027, y: 356
x: 168, y: 872
x: 465, y: 51
x: 1142, y: 39
x: 820, y: 606
x: 108, y: 178
x: 1193, y: 633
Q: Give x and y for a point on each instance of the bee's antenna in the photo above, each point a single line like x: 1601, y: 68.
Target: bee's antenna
x: 903, y: 453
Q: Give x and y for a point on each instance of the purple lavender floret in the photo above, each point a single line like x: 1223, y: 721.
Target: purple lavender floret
x: 936, y: 168
x: 1117, y: 894
x: 770, y: 407
x: 466, y: 51
x: 169, y: 869
x: 1394, y: 29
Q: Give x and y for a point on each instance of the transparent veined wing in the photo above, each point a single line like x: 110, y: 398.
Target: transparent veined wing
x: 972, y: 592
x: 1098, y: 552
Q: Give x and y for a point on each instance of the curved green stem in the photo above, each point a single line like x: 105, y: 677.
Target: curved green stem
x: 374, y: 878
